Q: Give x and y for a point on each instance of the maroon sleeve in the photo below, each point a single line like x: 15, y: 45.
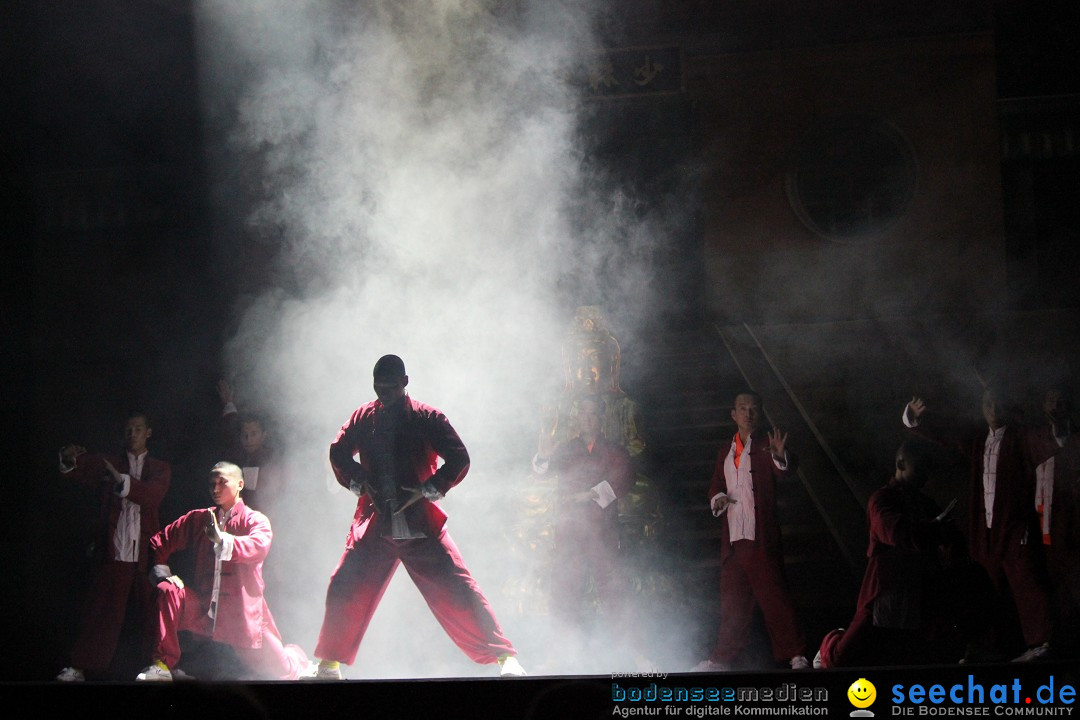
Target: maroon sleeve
x: 621, y: 471
x: 253, y: 547
x: 719, y: 482
x: 1039, y: 444
x: 148, y: 492
x: 891, y: 525
x: 952, y: 433
x: 346, y: 469
x: 89, y: 470
x: 176, y: 536
x: 447, y: 444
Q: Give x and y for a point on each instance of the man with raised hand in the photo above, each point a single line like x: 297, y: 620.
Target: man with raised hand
x: 743, y: 496
x: 1003, y: 527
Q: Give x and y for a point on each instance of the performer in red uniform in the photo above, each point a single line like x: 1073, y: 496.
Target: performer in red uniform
x: 592, y: 473
x: 132, y: 488
x: 901, y: 600
x: 1057, y: 500
x: 1003, y: 532
x: 224, y: 600
x: 246, y: 443
x: 398, y: 442
x: 743, y: 495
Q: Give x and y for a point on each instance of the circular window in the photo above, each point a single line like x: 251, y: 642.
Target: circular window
x: 851, y: 178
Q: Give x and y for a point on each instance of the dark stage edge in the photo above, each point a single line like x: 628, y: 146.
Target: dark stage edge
x: 558, y: 697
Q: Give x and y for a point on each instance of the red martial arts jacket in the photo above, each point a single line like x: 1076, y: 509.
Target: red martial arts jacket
x: 579, y: 471
x: 902, y: 555
x: 423, y: 436
x: 242, y: 611
x: 765, y: 474
x: 1014, y: 491
x: 147, y: 492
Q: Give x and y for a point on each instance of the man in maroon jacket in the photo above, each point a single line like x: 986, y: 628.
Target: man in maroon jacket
x: 592, y: 474
x: 1003, y: 529
x: 1057, y: 499
x: 901, y: 601
x: 743, y: 495
x: 224, y: 599
x: 132, y: 486
x: 247, y: 443
x: 398, y: 442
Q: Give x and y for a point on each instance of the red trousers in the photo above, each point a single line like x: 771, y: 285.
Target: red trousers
x: 1019, y: 574
x: 182, y: 609
x: 437, y: 568
x: 753, y: 576
x: 104, y: 610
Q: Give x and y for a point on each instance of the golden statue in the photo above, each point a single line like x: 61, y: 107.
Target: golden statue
x: 591, y: 363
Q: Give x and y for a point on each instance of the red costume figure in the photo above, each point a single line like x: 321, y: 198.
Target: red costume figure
x: 592, y: 474
x: 246, y: 445
x: 224, y: 600
x: 743, y: 495
x: 132, y: 488
x: 899, y: 605
x: 1057, y: 500
x: 1003, y: 530
x: 398, y: 442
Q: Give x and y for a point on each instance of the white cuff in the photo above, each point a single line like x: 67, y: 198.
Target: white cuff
x: 162, y: 571
x: 605, y: 495
x: 713, y: 500
x: 124, y: 486
x: 540, y: 466
x: 228, y: 409
x: 226, y: 550
x: 781, y: 463
x: 909, y: 418
x: 66, y: 468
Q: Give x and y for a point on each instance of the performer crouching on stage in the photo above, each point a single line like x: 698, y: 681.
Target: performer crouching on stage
x: 224, y: 601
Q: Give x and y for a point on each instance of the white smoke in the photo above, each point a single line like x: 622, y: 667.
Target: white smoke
x: 413, y: 163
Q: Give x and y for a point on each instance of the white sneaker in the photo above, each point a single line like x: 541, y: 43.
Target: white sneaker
x: 1036, y: 653
x: 70, y: 674
x: 510, y: 667
x: 799, y: 662
x: 316, y: 671
x: 154, y: 673
x: 710, y: 666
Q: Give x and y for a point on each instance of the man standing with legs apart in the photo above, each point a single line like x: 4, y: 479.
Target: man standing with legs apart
x: 398, y: 442
x: 743, y: 496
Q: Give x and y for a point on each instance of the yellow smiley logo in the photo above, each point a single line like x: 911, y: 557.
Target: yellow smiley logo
x: 862, y: 693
